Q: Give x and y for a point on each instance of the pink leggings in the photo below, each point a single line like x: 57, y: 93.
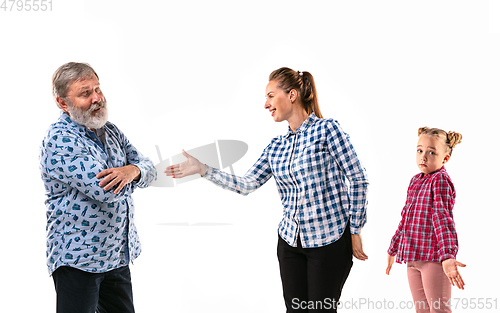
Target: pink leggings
x: 430, y: 287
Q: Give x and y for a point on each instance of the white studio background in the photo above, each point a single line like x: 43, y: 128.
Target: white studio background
x: 181, y: 74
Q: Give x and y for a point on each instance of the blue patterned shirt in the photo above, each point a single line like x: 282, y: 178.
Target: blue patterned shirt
x: 310, y: 168
x: 87, y: 227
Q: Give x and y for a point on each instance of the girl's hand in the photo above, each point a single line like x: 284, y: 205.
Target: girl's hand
x: 451, y: 270
x: 186, y: 168
x: 390, y: 261
x: 357, y: 248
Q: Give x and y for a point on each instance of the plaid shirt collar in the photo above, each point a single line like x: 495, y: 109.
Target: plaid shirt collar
x: 303, y: 127
x: 442, y: 169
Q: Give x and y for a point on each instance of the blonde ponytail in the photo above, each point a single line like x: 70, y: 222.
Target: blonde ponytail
x: 303, y: 82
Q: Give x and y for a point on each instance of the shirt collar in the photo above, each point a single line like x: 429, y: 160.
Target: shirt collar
x: 441, y: 170
x: 94, y: 136
x: 311, y: 119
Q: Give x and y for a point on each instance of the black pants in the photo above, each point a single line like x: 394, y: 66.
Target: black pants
x: 313, y: 278
x: 82, y: 292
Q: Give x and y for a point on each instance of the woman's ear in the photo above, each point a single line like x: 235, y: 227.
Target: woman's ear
x: 293, y: 95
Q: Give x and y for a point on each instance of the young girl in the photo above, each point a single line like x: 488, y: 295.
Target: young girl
x: 322, y: 216
x: 426, y: 238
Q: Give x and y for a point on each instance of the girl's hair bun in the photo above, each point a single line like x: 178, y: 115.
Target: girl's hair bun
x: 454, y: 139
x: 422, y: 130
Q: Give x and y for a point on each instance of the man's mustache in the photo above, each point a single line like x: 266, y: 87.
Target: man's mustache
x: 95, y: 106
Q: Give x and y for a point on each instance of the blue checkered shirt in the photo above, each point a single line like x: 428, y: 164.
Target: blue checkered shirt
x: 310, y: 167
x: 87, y: 227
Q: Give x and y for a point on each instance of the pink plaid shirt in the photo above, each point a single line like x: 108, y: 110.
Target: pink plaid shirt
x: 427, y: 230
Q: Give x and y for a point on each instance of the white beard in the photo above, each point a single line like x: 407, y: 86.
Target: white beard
x: 86, y: 119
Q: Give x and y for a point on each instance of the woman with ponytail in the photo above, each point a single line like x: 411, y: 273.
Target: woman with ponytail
x: 322, y: 215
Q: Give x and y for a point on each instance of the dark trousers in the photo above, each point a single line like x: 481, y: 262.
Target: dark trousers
x: 83, y: 292
x: 313, y: 278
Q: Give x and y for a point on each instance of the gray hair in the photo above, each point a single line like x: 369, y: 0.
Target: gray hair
x: 67, y: 74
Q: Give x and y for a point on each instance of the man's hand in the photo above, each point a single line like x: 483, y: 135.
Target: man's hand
x: 118, y: 176
x: 357, y: 248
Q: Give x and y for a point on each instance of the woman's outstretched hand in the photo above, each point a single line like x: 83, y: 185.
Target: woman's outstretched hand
x: 451, y: 270
x: 189, y: 167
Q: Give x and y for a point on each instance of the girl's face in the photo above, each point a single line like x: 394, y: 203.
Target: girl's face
x: 278, y: 102
x: 431, y: 154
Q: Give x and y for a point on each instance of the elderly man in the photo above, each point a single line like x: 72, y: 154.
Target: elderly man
x: 90, y: 170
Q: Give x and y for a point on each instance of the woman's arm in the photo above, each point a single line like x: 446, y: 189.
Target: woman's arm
x: 343, y: 152
x: 258, y: 175
x: 341, y: 148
